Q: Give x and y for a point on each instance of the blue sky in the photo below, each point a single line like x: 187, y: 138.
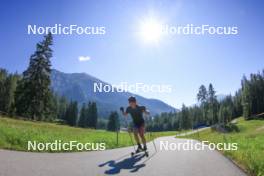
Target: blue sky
x: 185, y: 62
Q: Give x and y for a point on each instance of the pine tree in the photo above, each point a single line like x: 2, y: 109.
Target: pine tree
x: 185, y: 118
x: 83, y: 116
x: 3, y: 77
x: 8, y: 83
x: 54, y: 107
x: 63, y: 104
x: 93, y: 115
x: 246, y: 98
x: 71, y: 114
x: 202, y: 98
x: 113, y: 122
x: 212, y: 105
x: 238, y: 108
x: 225, y: 112
x: 33, y: 95
x: 88, y: 114
x: 202, y: 94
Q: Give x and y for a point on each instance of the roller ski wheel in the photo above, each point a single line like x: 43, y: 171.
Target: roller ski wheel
x: 143, y: 151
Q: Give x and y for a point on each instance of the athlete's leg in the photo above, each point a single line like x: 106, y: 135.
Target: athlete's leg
x: 141, y: 131
x: 136, y: 131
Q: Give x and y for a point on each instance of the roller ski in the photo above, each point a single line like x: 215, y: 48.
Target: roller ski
x: 140, y: 150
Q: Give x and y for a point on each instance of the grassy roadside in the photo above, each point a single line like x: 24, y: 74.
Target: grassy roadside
x: 15, y: 134
x: 250, y: 140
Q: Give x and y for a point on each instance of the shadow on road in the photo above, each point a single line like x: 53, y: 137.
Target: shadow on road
x: 127, y: 163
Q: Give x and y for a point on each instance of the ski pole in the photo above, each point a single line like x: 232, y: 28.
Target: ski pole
x: 154, y: 144
x: 150, y: 133
x: 122, y: 110
x: 129, y: 133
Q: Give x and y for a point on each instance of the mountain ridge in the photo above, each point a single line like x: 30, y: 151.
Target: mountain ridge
x: 79, y: 87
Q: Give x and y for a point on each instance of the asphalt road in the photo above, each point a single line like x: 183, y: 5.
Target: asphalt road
x: 193, y: 131
x: 119, y: 162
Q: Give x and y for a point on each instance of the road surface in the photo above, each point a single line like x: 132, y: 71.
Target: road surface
x: 193, y: 131
x: 119, y: 162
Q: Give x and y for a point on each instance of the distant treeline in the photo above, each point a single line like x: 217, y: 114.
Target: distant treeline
x: 248, y: 101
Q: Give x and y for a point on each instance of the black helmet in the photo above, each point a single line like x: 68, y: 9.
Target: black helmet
x: 132, y: 99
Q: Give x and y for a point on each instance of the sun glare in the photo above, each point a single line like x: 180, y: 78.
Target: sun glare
x: 151, y: 30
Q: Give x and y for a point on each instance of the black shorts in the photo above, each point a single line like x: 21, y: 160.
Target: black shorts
x: 139, y: 125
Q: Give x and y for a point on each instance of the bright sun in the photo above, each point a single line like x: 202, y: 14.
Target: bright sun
x: 151, y: 30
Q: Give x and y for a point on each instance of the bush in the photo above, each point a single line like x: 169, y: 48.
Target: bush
x: 225, y: 128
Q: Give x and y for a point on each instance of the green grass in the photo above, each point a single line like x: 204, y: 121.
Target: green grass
x: 250, y: 140
x: 15, y: 134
